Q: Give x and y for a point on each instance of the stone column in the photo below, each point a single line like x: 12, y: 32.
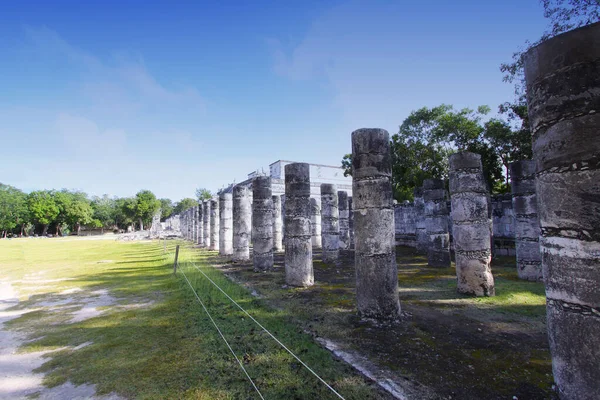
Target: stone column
x: 226, y: 224
x: 199, y: 225
x: 277, y: 224
x: 527, y: 223
x: 344, y: 223
x: 214, y: 224
x: 351, y: 221
x: 241, y: 223
x: 471, y: 225
x: 421, y: 232
x: 206, y: 222
x: 298, y: 248
x: 330, y: 228
x: 262, y: 224
x: 315, y: 223
x: 374, y: 231
x: 436, y: 223
x: 563, y: 95
x: 195, y: 224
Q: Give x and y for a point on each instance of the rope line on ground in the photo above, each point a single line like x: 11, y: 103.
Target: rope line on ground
x: 220, y: 333
x: 272, y: 336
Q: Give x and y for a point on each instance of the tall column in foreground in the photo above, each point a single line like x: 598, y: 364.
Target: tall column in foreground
x: 277, y: 224
x: 344, y: 215
x: 330, y: 228
x: 436, y: 223
x: 374, y: 231
x: 226, y: 224
x: 199, y: 227
x: 214, y: 224
x: 195, y: 225
x: 527, y: 223
x: 351, y: 221
x: 298, y: 247
x: 471, y: 225
x: 315, y: 224
x: 262, y: 224
x: 206, y: 222
x: 241, y: 223
x: 421, y: 230
x: 563, y: 97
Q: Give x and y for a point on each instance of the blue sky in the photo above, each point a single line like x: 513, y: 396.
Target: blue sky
x: 114, y: 97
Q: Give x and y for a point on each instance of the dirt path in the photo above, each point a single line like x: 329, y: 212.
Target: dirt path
x: 17, y: 377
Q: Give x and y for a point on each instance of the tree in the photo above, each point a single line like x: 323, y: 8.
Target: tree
x: 347, y: 164
x: 105, y: 211
x: 146, y: 205
x: 80, y: 212
x: 125, y: 211
x: 203, y: 194
x: 13, y: 209
x: 184, y: 204
x: 166, y: 208
x: 508, y: 143
x: 428, y: 136
x: 42, y: 207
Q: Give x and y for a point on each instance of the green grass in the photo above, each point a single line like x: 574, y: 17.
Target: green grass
x: 169, y: 348
x: 421, y: 284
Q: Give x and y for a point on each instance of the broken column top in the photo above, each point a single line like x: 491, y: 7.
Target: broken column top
x: 371, y: 156
x: 328, y: 188
x: 297, y: 179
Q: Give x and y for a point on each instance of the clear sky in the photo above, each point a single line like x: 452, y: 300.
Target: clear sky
x: 117, y: 96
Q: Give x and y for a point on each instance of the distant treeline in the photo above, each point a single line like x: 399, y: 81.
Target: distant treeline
x: 63, y: 212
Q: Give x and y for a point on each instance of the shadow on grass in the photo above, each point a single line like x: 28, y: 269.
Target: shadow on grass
x: 462, y: 346
x: 168, y: 348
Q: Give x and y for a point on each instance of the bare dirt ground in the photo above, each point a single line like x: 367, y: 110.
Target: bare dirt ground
x: 447, y: 345
x: 18, y: 379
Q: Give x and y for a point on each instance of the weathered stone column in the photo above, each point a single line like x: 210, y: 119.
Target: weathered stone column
x: 344, y: 215
x: 214, y: 224
x: 563, y: 95
x: 199, y: 226
x: 277, y: 224
x: 330, y: 228
x: 470, y: 225
x: 262, y: 224
x: 527, y: 223
x: 197, y: 213
x: 226, y: 224
x: 206, y: 222
x: 241, y: 223
x: 298, y: 248
x: 374, y: 231
x: 351, y: 221
x: 421, y: 231
x: 436, y: 223
x: 315, y: 223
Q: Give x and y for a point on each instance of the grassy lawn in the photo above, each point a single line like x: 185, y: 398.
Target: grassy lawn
x: 154, y: 340
x: 459, y: 346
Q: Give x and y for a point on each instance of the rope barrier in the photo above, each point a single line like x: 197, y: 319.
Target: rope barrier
x: 222, y: 336
x: 272, y: 336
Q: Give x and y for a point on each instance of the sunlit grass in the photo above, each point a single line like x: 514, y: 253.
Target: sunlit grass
x: 168, y: 349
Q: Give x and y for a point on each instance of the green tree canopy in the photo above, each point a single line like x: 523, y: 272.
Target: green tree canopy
x: 203, y: 194
x: 146, y: 205
x: 105, y: 211
x: 43, y: 208
x: 184, y: 204
x: 13, y: 208
x: 166, y: 208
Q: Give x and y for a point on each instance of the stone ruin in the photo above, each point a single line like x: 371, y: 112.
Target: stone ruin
x: 550, y: 221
